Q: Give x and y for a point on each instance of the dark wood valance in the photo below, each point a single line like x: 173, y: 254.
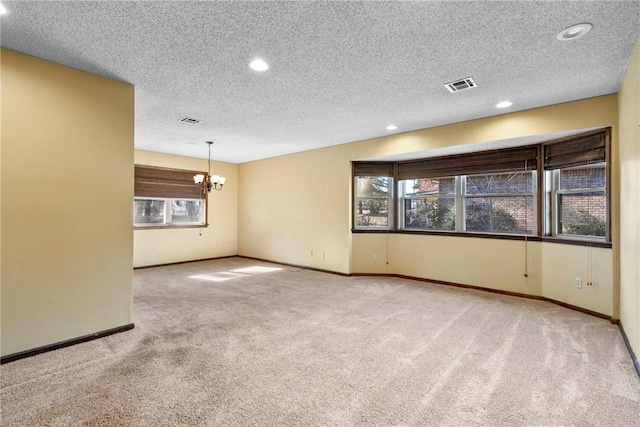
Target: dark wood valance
x: 580, y: 150
x: 494, y: 161
x: 151, y: 181
x: 373, y: 168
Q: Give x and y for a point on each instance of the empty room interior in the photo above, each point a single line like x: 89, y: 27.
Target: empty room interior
x: 320, y: 213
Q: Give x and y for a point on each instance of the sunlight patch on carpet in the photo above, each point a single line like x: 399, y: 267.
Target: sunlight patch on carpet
x: 218, y: 277
x: 256, y: 269
x: 235, y: 274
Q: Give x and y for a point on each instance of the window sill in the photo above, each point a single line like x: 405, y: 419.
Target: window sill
x: 478, y: 235
x: 169, y: 227
x: 578, y: 242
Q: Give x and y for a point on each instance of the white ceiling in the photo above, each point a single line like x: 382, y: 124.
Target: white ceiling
x: 340, y: 71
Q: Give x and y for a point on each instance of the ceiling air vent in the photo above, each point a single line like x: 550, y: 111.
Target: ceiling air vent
x: 190, y: 120
x: 459, y: 85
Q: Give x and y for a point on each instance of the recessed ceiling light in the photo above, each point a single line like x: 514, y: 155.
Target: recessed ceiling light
x: 259, y: 65
x: 3, y: 10
x: 504, y: 104
x: 392, y: 127
x: 574, y: 32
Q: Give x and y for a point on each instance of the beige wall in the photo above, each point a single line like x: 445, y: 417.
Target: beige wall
x: 290, y: 206
x: 494, y: 264
x: 600, y: 111
x: 220, y: 238
x: 67, y: 185
x: 562, y: 264
x: 490, y: 263
x: 629, y: 99
x: 313, y: 214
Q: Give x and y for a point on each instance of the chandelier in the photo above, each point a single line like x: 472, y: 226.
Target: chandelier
x: 208, y: 181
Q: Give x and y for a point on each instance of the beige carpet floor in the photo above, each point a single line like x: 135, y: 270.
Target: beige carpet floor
x: 237, y: 342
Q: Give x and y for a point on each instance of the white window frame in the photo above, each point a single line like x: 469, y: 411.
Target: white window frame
x: 460, y: 204
x: 553, y: 193
x: 533, y: 194
x: 389, y: 199
x: 401, y: 202
x: 168, y: 204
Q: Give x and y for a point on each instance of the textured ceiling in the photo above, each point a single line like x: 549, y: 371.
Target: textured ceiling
x: 340, y: 71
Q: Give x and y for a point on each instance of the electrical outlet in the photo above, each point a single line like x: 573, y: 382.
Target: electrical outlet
x: 375, y: 257
x: 311, y: 252
x: 322, y: 254
x: 578, y: 283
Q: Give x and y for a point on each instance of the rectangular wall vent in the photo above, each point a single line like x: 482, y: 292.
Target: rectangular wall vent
x: 459, y: 85
x: 190, y: 120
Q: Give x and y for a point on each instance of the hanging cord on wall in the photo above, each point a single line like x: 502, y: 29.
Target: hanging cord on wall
x: 390, y: 207
x: 526, y: 256
x: 589, y: 283
x: 386, y: 255
x: 593, y: 155
x: 526, y: 227
x: 589, y: 210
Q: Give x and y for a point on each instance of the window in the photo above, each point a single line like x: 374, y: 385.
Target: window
x: 489, y: 192
x: 576, y: 187
x: 581, y: 202
x: 165, y: 212
x: 428, y: 203
x: 500, y: 203
x: 493, y: 192
x: 373, y: 201
x: 167, y: 198
x: 149, y: 212
x: 373, y: 191
x: 187, y: 211
x: 490, y: 203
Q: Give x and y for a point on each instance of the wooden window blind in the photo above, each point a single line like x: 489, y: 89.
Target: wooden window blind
x: 151, y: 181
x: 494, y: 161
x: 373, y: 169
x: 584, y: 149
